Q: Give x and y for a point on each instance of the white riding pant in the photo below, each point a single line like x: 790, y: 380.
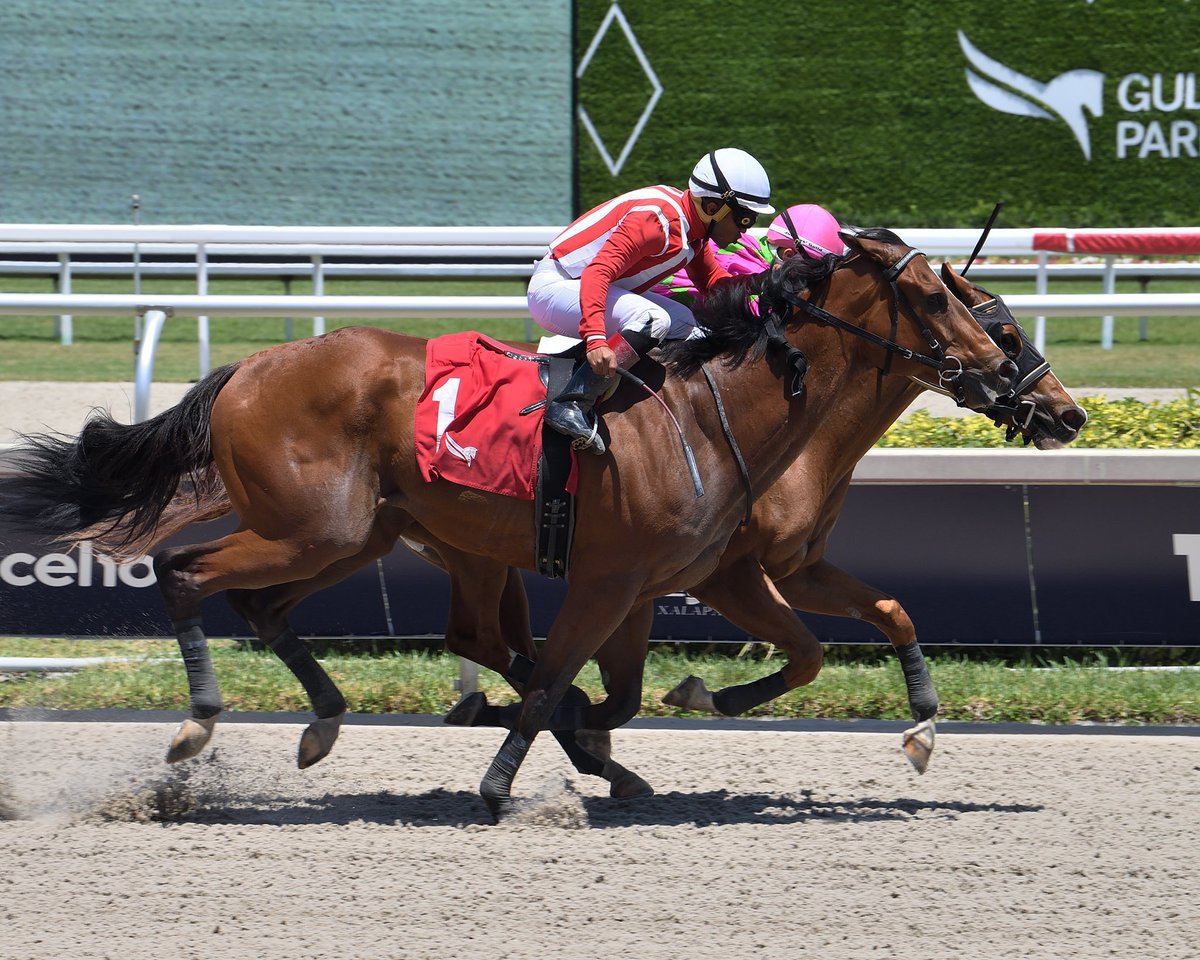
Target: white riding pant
x: 554, y: 304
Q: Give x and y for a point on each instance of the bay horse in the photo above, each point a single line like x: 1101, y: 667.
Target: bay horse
x: 775, y: 563
x: 311, y: 443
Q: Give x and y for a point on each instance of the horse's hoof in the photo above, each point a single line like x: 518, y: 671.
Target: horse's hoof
x: 918, y: 744
x: 463, y: 713
x: 318, y: 739
x: 191, y: 736
x: 691, y: 694
x: 498, y: 802
x: 625, y: 784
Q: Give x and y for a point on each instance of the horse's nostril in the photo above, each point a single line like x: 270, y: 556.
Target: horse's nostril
x: 1010, y: 370
x: 1074, y: 417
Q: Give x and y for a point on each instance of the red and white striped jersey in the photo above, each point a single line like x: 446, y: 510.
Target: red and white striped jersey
x: 634, y: 241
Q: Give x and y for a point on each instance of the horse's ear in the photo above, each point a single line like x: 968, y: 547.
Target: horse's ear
x: 881, y: 247
x: 958, y: 285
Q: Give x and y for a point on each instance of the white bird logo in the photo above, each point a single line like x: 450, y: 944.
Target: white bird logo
x: 465, y: 454
x: 1066, y: 96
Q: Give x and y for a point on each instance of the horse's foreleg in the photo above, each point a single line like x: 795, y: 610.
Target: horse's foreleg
x: 592, y: 610
x: 622, y: 661
x: 745, y: 595
x: 824, y: 588
x: 489, y: 624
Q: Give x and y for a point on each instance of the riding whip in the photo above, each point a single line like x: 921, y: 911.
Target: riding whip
x: 983, y: 237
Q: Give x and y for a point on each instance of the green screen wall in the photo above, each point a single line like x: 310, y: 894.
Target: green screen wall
x: 1086, y: 112
x: 289, y: 112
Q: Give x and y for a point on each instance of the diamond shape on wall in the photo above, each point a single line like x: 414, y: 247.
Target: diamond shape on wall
x: 615, y: 13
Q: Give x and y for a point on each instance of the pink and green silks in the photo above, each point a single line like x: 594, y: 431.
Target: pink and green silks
x: 744, y: 256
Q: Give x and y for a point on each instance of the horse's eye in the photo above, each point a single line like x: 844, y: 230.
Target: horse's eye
x: 936, y: 303
x: 1010, y: 343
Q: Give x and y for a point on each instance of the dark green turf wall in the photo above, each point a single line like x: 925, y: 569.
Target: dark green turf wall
x: 864, y: 106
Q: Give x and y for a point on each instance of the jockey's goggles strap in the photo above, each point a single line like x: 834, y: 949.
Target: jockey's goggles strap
x: 791, y: 228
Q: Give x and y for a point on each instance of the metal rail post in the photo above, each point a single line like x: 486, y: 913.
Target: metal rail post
x: 1110, y: 287
x: 66, y: 328
x: 154, y: 320
x: 202, y: 321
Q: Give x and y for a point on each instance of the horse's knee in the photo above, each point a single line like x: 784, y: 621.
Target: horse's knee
x: 259, y: 608
x: 481, y: 646
x: 616, y: 710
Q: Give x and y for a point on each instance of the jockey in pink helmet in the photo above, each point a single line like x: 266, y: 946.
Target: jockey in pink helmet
x: 804, y: 227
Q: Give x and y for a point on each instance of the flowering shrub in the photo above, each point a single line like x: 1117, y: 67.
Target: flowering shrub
x: 1125, y: 423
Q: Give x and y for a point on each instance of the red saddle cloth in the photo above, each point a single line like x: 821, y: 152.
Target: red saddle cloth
x: 468, y: 424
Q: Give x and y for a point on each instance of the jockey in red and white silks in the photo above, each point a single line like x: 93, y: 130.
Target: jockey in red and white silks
x: 595, y: 280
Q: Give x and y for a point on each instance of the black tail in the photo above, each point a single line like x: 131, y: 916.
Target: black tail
x: 114, y: 480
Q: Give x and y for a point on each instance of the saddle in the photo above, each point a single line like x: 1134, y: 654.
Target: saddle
x: 473, y: 428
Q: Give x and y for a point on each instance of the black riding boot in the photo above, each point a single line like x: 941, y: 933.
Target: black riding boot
x: 572, y: 413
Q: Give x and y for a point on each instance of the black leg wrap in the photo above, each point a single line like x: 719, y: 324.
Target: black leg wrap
x: 520, y: 670
x: 922, y: 697
x: 203, y: 691
x: 561, y: 718
x: 737, y: 700
x: 326, y: 698
x: 496, y: 786
x: 584, y: 762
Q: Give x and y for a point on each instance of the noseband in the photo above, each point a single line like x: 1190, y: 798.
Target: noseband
x: 950, y: 369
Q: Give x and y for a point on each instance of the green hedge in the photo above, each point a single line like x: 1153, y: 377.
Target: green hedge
x: 866, y: 108
x: 1126, y: 423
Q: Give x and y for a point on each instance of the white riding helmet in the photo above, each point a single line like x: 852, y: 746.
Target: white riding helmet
x: 732, y: 171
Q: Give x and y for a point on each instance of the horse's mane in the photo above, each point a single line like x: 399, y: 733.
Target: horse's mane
x: 733, y: 330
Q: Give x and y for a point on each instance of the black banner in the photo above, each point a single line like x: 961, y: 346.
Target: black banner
x: 975, y: 564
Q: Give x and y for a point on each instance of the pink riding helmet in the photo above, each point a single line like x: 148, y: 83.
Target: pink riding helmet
x: 816, y: 229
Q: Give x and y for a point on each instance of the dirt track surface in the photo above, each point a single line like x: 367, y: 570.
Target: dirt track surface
x: 758, y: 844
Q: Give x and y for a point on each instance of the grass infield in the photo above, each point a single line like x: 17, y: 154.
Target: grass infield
x: 854, y: 684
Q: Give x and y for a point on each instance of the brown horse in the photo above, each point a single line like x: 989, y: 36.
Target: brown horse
x: 787, y: 549
x: 775, y: 563
x: 312, y: 444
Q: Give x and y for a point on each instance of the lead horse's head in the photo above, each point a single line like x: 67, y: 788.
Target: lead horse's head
x: 1039, y: 408
x: 899, y: 304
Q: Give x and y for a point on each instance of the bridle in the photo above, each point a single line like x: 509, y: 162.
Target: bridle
x: 1031, y: 367
x: 949, y: 368
x: 798, y: 363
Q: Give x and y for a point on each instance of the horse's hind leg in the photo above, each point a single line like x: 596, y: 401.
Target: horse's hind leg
x: 267, y: 609
x: 189, y: 574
